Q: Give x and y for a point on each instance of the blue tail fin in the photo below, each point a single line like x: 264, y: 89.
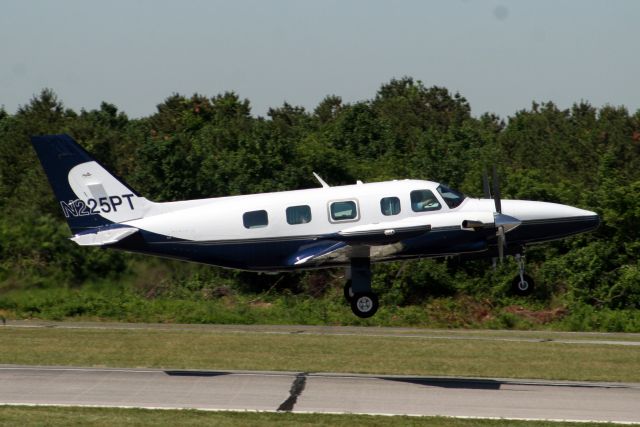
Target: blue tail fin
x: 90, y: 196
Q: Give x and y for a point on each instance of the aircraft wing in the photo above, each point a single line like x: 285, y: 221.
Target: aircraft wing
x: 382, y: 240
x: 103, y: 237
x: 379, y: 234
x: 316, y: 255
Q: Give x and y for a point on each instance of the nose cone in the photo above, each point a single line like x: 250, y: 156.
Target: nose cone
x: 528, y: 211
x: 549, y: 221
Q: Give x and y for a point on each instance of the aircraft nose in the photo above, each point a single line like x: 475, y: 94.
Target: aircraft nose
x: 542, y: 221
x: 580, y: 212
x: 581, y: 219
x: 555, y: 210
x: 590, y: 220
x: 530, y: 210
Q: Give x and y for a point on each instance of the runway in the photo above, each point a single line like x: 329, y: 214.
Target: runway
x: 322, y: 393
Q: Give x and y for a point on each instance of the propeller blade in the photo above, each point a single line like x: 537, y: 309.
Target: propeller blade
x: 496, y: 190
x: 502, y: 243
x: 485, y: 184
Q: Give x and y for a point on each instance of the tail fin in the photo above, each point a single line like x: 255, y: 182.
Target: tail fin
x: 90, y: 196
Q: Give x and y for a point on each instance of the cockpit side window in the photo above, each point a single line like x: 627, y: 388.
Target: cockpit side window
x: 452, y: 198
x: 423, y: 201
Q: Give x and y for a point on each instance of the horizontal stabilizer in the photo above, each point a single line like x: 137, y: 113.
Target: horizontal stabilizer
x: 104, y: 237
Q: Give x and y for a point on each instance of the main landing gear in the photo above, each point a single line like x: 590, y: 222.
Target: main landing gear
x: 522, y: 284
x: 357, y: 289
x: 364, y: 302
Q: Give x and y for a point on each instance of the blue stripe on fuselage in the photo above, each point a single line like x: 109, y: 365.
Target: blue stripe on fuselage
x: 534, y: 231
x: 279, y: 254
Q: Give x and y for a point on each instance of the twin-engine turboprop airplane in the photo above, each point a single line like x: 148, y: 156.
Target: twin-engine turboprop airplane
x: 351, y: 225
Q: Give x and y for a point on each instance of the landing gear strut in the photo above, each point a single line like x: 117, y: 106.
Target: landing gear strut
x: 522, y: 284
x: 357, y: 289
x: 348, y: 291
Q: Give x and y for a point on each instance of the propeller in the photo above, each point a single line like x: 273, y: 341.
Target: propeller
x: 485, y: 184
x: 503, y: 223
x: 502, y: 240
x: 496, y: 190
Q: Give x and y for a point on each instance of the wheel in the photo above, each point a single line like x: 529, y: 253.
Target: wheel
x: 348, y: 292
x: 522, y: 287
x: 364, y: 304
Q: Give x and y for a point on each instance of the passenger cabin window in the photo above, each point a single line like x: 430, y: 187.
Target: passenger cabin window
x: 390, y: 206
x: 423, y: 201
x: 298, y: 214
x: 344, y: 211
x: 452, y: 198
x: 255, y: 219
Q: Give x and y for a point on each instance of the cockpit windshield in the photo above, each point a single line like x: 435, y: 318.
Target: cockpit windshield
x: 452, y: 198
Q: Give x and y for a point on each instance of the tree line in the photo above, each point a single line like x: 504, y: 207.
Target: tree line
x: 199, y: 146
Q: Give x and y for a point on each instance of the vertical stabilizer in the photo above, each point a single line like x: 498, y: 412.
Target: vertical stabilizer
x: 89, y: 195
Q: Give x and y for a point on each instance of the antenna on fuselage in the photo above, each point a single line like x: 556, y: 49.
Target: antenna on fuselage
x: 321, y: 181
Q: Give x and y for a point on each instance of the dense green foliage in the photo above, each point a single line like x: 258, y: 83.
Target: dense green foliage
x: 206, y: 147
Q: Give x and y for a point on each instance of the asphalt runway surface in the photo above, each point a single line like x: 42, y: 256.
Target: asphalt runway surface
x: 321, y: 393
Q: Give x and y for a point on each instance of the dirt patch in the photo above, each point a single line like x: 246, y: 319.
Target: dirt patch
x: 464, y: 311
x: 537, y: 316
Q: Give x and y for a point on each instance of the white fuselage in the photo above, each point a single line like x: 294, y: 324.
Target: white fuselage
x: 222, y: 218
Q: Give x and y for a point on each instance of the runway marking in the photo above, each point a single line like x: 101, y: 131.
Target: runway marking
x: 267, y: 411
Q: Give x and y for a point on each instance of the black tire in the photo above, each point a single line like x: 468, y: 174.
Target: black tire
x: 524, y: 287
x: 348, y: 292
x: 364, y: 304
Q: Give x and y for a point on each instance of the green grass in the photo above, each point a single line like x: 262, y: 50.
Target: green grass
x: 120, y: 304
x: 74, y: 416
x: 223, y: 350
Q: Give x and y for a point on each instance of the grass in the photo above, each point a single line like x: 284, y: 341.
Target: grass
x: 75, y: 416
x: 224, y: 350
x: 121, y: 304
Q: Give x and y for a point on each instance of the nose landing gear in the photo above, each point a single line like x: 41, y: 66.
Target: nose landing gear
x: 522, y: 284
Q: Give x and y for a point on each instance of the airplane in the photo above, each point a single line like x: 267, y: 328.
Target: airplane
x: 348, y: 226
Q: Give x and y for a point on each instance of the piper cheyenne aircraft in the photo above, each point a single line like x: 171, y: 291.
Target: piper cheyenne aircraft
x: 351, y: 225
